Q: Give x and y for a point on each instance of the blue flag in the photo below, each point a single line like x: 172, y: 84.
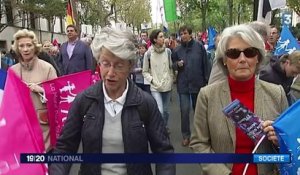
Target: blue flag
x: 211, y: 38
x: 288, y: 133
x: 2, y: 83
x: 287, y: 43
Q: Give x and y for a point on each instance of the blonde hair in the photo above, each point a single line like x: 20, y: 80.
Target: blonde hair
x: 24, y: 33
x: 294, y: 58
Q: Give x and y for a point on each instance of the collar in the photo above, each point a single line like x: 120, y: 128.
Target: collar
x: 96, y: 92
x: 29, y: 65
x: 189, y: 43
x: 73, y: 42
x: 276, y: 65
x: 120, y: 100
x: 241, y: 86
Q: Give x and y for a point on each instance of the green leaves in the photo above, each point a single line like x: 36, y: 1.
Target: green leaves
x: 46, y: 8
x: 295, y: 5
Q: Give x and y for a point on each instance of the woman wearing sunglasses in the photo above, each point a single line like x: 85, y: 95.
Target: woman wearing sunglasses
x: 239, y: 53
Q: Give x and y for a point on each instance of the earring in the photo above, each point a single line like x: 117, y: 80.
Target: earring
x: 224, y: 64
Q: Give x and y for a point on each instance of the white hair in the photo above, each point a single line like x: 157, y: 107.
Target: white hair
x: 120, y: 43
x: 247, y: 34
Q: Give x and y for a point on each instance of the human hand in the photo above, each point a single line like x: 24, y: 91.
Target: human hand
x: 270, y: 131
x: 35, y: 88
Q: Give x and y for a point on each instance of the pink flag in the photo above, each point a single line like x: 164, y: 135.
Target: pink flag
x: 60, y: 94
x: 19, y: 129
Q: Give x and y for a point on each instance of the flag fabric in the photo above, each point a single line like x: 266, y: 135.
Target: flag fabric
x: 19, y: 129
x: 275, y: 4
x: 70, y: 16
x: 288, y: 133
x: 170, y: 10
x: 286, y: 18
x: 287, y: 43
x: 265, y: 8
x: 211, y: 37
x: 2, y: 83
x: 160, y: 5
x: 60, y: 93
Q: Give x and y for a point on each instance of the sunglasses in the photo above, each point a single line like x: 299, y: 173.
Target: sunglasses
x: 235, y: 53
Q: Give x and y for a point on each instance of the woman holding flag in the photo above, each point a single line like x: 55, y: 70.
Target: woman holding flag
x: 33, y: 71
x: 239, y: 53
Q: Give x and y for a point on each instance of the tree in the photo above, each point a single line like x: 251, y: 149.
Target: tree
x: 295, y: 5
x: 137, y: 14
x: 6, y: 9
x: 93, y: 12
x: 47, y: 9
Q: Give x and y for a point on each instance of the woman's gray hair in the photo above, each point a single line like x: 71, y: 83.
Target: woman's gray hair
x: 261, y: 28
x: 247, y: 34
x: 121, y: 43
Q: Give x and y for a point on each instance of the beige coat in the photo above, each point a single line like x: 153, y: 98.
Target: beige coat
x: 161, y: 73
x: 41, y: 71
x: 215, y: 133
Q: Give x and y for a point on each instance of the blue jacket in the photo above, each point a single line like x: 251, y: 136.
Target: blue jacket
x: 80, y: 60
x: 195, y: 72
x: 135, y: 136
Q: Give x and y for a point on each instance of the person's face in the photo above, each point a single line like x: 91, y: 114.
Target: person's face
x: 160, y: 40
x: 26, y: 49
x: 47, y: 46
x: 114, y: 72
x: 71, y: 33
x: 241, y: 67
x: 185, y: 36
x: 291, y: 70
x: 144, y: 36
x: 217, y: 39
x: 274, y: 35
x: 142, y: 50
x: 199, y: 35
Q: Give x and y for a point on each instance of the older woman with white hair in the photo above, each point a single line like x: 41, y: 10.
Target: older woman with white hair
x: 239, y: 53
x: 114, y: 115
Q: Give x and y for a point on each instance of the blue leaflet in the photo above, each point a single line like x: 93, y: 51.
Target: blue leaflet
x: 246, y: 120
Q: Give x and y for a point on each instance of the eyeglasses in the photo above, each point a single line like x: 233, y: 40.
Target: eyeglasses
x: 119, y: 67
x: 235, y: 53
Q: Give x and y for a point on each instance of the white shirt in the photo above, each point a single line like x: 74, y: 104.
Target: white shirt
x: 114, y: 107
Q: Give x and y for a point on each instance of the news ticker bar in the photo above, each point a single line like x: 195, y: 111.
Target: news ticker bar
x: 156, y: 158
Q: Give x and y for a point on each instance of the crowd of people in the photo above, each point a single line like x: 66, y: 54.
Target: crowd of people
x: 129, y: 109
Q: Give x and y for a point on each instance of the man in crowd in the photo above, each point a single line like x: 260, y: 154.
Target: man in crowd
x: 75, y: 55
x: 190, y: 60
x: 273, y: 38
x: 145, y: 39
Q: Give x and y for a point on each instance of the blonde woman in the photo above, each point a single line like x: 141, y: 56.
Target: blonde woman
x: 33, y: 71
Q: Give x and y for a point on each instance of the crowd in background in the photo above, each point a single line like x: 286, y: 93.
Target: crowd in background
x: 240, y: 64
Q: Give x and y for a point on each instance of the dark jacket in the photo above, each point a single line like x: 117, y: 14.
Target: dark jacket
x: 273, y: 73
x: 80, y: 60
x: 44, y: 56
x: 195, y: 72
x: 135, y: 136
